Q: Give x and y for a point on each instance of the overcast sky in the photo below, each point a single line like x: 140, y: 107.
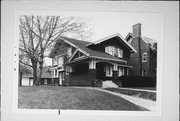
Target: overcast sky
x: 109, y: 23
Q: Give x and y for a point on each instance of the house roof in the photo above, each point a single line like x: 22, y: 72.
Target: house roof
x: 73, y: 42
x: 90, y: 52
x: 145, y: 39
x: 112, y: 36
x: 45, y: 73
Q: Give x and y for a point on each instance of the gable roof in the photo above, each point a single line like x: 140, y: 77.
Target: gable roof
x: 145, y: 39
x: 90, y: 53
x: 112, y: 36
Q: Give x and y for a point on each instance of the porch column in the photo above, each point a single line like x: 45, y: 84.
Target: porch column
x: 115, y: 72
x: 92, y: 64
x: 92, y: 71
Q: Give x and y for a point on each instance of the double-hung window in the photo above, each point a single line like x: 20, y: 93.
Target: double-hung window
x: 61, y: 61
x: 69, y: 52
x: 114, y: 51
x: 111, y: 50
x: 109, y: 70
x: 119, y: 53
x: 144, y: 57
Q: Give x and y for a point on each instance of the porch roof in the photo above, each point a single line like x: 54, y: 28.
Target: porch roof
x: 87, y: 58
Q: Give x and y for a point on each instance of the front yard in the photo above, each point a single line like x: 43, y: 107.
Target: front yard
x: 53, y: 97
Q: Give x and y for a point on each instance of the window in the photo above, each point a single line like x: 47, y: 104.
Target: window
x: 61, y: 61
x: 120, y: 71
x: 67, y: 70
x: 109, y: 70
x: 69, y: 52
x: 111, y: 50
x: 54, y: 62
x: 55, y: 73
x: 119, y: 53
x: 114, y: 51
x: 45, y: 81
x: 144, y: 57
x: 143, y: 73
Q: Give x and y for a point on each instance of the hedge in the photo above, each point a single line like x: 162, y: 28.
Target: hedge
x: 136, y: 81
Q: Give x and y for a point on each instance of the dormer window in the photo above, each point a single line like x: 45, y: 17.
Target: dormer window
x: 110, y: 50
x: 69, y: 52
x: 119, y: 53
x: 114, y: 51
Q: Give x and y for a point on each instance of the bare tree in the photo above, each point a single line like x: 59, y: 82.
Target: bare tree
x: 38, y: 33
x: 23, y: 68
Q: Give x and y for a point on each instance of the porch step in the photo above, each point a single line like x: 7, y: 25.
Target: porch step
x: 109, y: 83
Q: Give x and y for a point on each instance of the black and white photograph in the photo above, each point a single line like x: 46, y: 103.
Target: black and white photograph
x: 89, y: 61
x: 101, y: 61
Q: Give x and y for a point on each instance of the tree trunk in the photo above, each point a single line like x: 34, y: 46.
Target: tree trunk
x: 34, y: 63
x: 34, y: 75
x: 40, y: 72
x: 20, y: 78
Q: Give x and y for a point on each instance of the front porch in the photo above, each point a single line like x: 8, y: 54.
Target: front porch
x: 84, y: 73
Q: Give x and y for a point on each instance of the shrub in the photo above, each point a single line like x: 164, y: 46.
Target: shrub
x: 97, y: 83
x: 136, y: 81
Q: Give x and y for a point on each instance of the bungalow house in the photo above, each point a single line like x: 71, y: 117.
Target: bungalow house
x: 144, y: 62
x: 46, y: 78
x: 76, y: 62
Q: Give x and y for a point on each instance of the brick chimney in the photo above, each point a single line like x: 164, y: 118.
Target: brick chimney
x: 137, y: 30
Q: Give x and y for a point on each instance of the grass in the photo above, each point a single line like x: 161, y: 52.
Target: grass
x: 52, y: 97
x: 141, y: 94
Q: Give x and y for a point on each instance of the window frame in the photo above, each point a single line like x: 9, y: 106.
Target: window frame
x: 120, y: 68
x: 119, y: 53
x: 69, y: 52
x: 62, y: 59
x: 45, y: 81
x: 109, y: 70
x: 67, y: 70
x: 144, y: 57
x: 143, y: 73
x: 114, y: 51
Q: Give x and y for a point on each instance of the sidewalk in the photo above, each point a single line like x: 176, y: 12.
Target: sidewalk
x: 148, y: 104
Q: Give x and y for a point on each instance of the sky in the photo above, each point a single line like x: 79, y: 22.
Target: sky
x: 108, y: 23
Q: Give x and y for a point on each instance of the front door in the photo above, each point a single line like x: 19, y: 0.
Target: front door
x: 100, y: 74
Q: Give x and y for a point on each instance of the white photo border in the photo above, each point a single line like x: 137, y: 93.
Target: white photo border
x: 169, y: 71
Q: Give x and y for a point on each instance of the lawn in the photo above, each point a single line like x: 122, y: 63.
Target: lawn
x: 141, y: 94
x: 54, y: 97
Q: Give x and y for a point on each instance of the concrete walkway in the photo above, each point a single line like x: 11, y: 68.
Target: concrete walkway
x: 148, y: 104
x: 144, y: 90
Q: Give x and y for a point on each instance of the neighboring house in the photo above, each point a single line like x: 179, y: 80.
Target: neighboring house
x: 144, y: 62
x: 78, y: 62
x: 46, y: 78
